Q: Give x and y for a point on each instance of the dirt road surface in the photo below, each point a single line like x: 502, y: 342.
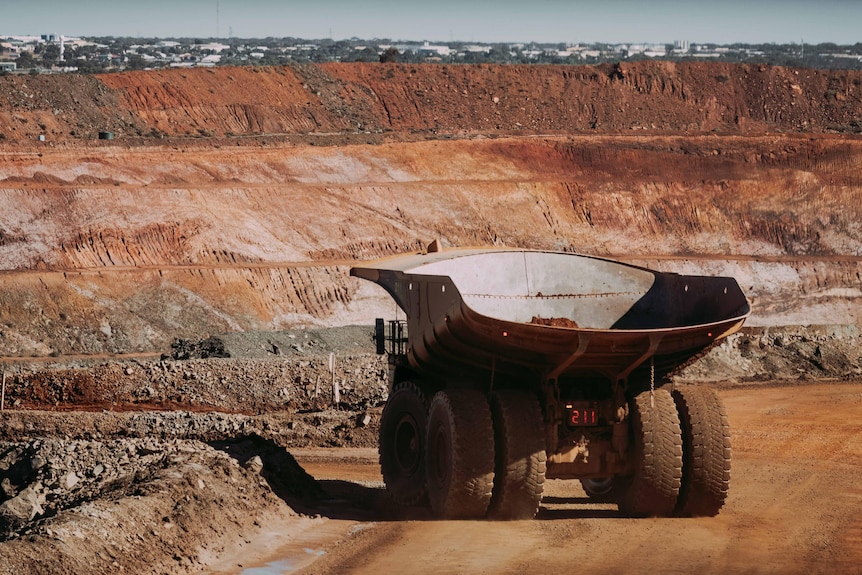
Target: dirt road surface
x: 795, y: 506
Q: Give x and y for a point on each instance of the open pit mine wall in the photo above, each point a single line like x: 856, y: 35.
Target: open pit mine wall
x: 107, y: 247
x: 122, y: 249
x: 628, y: 97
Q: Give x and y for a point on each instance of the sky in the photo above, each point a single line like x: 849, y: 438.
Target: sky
x: 564, y: 21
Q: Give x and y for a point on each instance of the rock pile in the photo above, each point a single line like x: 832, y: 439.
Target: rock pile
x: 759, y: 354
x: 44, y: 476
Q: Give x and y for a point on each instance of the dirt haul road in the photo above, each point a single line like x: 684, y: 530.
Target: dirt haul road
x: 795, y: 506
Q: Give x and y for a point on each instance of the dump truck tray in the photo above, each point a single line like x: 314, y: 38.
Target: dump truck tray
x: 504, y: 313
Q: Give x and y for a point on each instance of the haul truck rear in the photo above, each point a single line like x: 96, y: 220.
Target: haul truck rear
x: 514, y: 366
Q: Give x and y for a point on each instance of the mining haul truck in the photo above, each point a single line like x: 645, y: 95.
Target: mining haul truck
x: 515, y: 366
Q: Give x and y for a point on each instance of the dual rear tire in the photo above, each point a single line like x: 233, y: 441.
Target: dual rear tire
x: 472, y: 458
x: 521, y: 461
x: 460, y: 455
x: 682, y: 456
x: 706, y: 452
x: 654, y: 487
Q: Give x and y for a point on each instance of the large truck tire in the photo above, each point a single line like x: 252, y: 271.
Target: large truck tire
x: 521, y: 462
x: 460, y: 454
x: 402, y: 444
x: 657, y: 440
x: 604, y: 490
x: 706, y: 452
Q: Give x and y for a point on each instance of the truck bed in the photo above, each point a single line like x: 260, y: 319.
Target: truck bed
x: 519, y: 313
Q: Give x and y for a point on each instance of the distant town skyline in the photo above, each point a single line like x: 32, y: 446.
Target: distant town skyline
x: 545, y: 21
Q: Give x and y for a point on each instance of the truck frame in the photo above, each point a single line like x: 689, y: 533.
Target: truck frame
x: 514, y: 366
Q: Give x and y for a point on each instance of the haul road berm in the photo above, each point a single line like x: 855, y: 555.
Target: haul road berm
x: 514, y: 366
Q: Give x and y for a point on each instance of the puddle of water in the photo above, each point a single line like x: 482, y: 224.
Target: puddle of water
x: 274, y: 568
x: 285, y: 566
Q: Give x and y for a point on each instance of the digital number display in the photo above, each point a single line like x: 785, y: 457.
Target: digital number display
x: 581, y: 413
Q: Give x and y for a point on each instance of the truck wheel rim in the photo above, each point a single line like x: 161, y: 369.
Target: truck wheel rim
x: 407, y: 445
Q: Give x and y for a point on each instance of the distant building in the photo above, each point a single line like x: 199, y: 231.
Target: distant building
x: 428, y: 48
x: 8, y: 67
x: 648, y: 50
x: 218, y: 47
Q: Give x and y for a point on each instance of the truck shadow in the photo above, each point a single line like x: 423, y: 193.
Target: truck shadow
x: 361, y: 501
x: 276, y: 466
x: 357, y: 502
x: 548, y: 513
x: 334, y: 499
